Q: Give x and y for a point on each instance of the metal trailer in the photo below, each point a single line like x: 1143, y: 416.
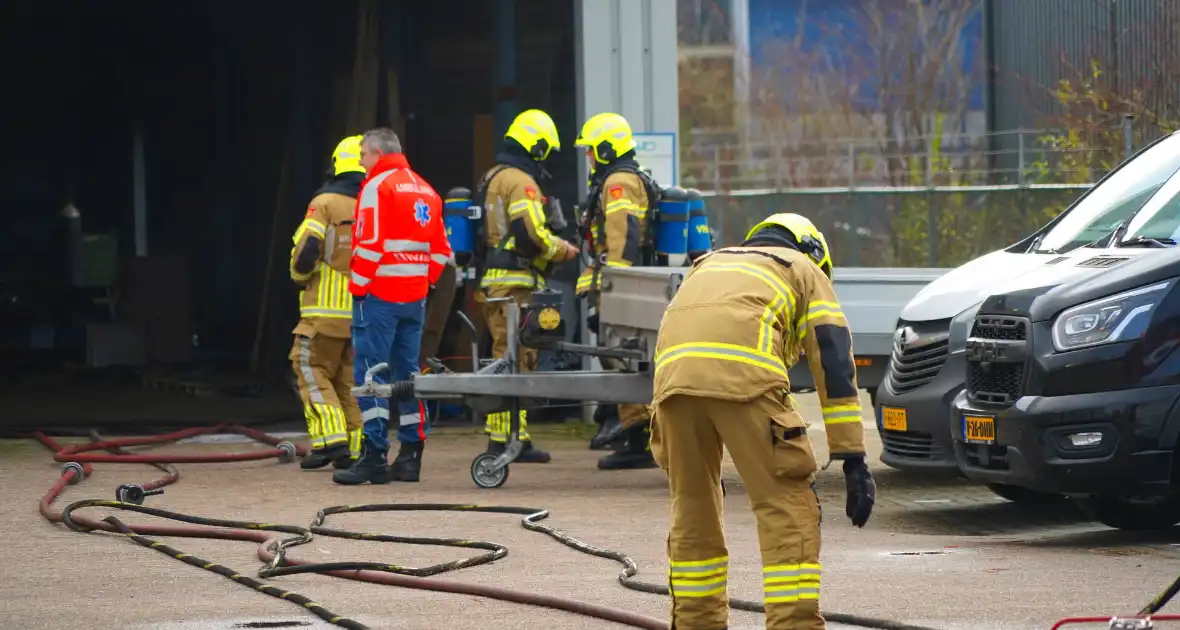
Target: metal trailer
x: 633, y: 304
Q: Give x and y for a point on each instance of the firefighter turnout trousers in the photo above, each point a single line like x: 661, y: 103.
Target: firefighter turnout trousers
x: 496, y: 315
x: 770, y: 448
x: 323, y: 367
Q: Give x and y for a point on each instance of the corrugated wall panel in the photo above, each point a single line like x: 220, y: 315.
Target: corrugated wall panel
x: 1035, y: 43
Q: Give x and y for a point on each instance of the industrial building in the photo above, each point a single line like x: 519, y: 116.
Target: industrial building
x: 160, y: 155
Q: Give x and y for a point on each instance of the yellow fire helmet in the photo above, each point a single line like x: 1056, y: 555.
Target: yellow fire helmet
x: 347, y: 156
x: 608, y: 135
x: 536, y: 132
x: 809, y: 239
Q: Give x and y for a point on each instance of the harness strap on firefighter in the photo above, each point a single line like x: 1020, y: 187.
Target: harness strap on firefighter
x: 481, y: 196
x: 597, y: 218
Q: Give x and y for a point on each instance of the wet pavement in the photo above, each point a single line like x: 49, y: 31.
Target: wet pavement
x: 938, y: 552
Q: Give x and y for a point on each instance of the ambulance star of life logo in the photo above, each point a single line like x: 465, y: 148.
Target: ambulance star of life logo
x: 421, y: 213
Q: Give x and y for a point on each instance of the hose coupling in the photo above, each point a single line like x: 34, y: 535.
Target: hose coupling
x: 76, y: 468
x: 134, y: 493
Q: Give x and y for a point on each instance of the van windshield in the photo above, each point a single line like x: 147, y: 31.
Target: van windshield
x: 1116, y: 199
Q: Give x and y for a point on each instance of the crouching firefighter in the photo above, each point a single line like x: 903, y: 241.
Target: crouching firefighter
x: 736, y: 325
x: 322, y: 353
x: 516, y: 249
x: 616, y: 225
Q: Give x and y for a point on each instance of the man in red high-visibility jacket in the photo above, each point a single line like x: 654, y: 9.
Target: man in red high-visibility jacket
x: 399, y: 249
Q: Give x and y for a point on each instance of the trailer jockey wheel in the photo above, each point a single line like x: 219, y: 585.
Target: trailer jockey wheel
x: 484, y: 472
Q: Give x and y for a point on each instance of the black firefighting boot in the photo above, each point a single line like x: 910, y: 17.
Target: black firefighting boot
x: 529, y: 454
x: 408, y: 463
x: 610, y: 432
x: 635, y: 452
x: 321, y: 458
x: 371, y: 466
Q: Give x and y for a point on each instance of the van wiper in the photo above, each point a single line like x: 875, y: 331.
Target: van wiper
x: 1144, y: 241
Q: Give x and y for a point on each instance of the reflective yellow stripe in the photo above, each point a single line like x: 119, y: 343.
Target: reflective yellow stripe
x: 699, y: 568
x: 780, y: 290
x: 332, y: 299
x: 724, y: 351
x: 309, y: 225
x: 817, y: 309
x: 766, y: 322
x: 790, y: 582
x: 506, y: 278
x: 699, y: 578
x: 621, y: 204
x: 842, y: 414
x: 537, y: 216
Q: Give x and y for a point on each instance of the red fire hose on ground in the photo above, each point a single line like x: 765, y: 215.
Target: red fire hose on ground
x: 274, y: 540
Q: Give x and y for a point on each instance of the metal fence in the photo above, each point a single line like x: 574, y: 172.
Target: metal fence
x: 1020, y: 157
x: 901, y: 227
x: 895, y: 205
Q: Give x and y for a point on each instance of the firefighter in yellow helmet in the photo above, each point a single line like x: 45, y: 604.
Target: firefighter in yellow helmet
x: 739, y: 321
x: 322, y: 353
x: 621, y: 194
x: 517, y: 248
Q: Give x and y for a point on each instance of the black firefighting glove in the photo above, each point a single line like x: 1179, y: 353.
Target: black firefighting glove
x: 862, y: 491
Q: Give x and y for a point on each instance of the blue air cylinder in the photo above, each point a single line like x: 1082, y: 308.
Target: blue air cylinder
x: 699, y: 239
x: 460, y: 228
x: 672, y: 229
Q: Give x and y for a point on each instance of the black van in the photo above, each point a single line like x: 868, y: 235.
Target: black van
x: 1073, y: 389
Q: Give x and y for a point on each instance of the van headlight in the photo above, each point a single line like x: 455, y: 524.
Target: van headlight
x: 961, y: 329
x: 1120, y: 317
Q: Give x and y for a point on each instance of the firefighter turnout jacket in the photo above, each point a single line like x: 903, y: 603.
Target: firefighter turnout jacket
x: 618, y: 226
x: 738, y: 323
x: 320, y: 265
x: 399, y: 242
x: 517, y: 238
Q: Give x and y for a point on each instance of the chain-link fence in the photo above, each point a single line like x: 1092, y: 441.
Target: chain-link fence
x: 901, y: 227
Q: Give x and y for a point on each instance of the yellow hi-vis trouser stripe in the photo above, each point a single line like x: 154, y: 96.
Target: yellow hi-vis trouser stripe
x: 842, y: 414
x: 326, y: 425
x: 699, y: 578
x: 499, y: 425
x: 790, y: 582
x: 354, y: 442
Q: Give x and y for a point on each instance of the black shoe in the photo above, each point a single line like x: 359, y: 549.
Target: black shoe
x: 319, y: 459
x: 634, y: 455
x: 369, y: 467
x: 529, y: 454
x: 344, y: 463
x: 610, y: 432
x: 408, y: 464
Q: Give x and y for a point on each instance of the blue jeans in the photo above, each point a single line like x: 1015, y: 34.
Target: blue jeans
x: 388, y: 331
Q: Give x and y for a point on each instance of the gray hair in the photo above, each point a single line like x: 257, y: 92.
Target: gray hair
x: 383, y: 139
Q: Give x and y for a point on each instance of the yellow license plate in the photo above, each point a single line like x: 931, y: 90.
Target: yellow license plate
x: 893, y: 419
x: 978, y: 430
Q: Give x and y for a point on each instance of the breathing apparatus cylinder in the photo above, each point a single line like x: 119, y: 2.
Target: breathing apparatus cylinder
x: 699, y: 239
x: 672, y: 226
x: 460, y: 228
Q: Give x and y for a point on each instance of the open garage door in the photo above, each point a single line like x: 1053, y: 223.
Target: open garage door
x: 159, y: 155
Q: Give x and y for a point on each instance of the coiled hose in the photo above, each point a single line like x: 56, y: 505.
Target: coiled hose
x: 273, y: 545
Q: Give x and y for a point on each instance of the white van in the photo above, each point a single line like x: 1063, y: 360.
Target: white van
x: 927, y: 368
